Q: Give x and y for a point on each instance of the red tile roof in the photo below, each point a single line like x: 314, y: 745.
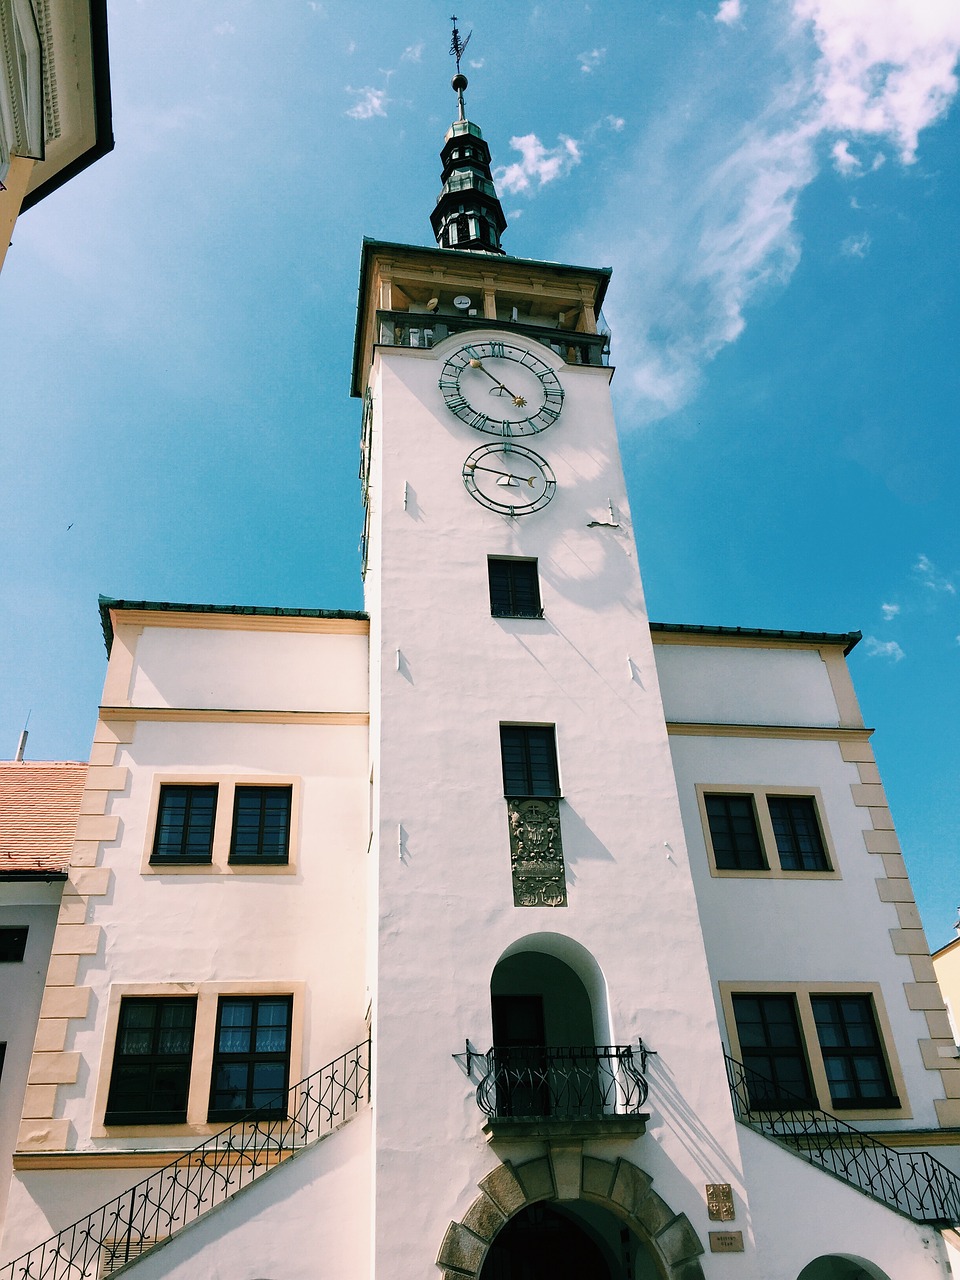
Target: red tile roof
x: 39, y: 804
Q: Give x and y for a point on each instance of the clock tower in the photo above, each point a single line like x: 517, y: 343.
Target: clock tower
x: 531, y: 886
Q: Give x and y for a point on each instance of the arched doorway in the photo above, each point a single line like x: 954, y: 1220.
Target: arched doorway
x: 567, y: 1241
x: 837, y: 1266
x: 544, y: 1243
x: 544, y: 1057
x: 607, y: 1205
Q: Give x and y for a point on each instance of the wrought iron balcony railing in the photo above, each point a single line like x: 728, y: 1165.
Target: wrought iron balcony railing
x: 426, y: 329
x: 585, y: 1082
x: 170, y: 1199
x: 912, y: 1182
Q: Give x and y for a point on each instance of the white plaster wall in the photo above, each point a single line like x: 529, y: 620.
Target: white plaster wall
x: 306, y: 1218
x: 717, y: 684
x: 35, y: 905
x: 204, y: 927
x: 801, y: 929
x: 260, y: 670
x: 445, y: 906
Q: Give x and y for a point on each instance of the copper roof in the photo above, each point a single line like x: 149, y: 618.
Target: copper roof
x: 39, y: 804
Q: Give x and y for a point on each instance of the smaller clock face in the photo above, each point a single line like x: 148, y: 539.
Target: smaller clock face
x: 502, y: 389
x: 509, y: 478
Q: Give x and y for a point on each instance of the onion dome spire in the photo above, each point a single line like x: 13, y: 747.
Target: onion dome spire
x: 468, y: 214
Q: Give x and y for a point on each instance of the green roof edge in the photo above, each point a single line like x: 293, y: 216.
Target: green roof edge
x: 107, y: 603
x: 849, y: 639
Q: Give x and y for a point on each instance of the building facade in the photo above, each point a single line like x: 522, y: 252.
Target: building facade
x: 55, y: 113
x: 532, y: 939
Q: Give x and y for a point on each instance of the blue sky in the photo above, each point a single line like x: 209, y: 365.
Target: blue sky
x: 777, y: 188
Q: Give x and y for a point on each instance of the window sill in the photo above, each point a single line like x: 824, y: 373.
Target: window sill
x: 521, y: 617
x: 145, y: 1119
x: 180, y: 862
x: 258, y: 862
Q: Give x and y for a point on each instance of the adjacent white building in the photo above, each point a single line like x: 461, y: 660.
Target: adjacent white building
x: 589, y: 939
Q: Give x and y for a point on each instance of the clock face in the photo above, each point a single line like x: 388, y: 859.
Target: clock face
x: 509, y: 478
x: 501, y: 389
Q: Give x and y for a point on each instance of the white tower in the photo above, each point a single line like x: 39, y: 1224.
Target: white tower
x: 531, y: 885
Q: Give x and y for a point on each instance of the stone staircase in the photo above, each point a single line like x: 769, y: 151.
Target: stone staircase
x: 117, y: 1234
x: 910, y: 1182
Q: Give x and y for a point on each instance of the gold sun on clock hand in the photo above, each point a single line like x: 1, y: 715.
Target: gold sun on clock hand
x: 519, y: 401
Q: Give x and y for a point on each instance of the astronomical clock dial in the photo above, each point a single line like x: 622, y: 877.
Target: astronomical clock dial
x: 502, y: 389
x: 509, y: 478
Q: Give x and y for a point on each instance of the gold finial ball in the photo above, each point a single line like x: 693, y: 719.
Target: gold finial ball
x: 459, y: 82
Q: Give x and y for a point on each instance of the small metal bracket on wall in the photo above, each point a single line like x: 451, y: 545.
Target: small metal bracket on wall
x: 645, y: 1053
x: 467, y: 1058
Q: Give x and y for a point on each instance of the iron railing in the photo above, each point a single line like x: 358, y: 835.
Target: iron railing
x: 912, y: 1182
x: 172, y: 1197
x: 573, y: 1083
x: 426, y: 329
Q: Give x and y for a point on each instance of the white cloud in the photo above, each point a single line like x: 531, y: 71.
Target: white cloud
x: 590, y: 60
x: 369, y: 103
x: 537, y: 163
x: 843, y: 160
x: 317, y: 7
x: 351, y: 46
x: 225, y: 29
x: 931, y: 577
x: 616, y: 123
x: 476, y: 64
x: 713, y: 219
x: 886, y: 68
x: 856, y: 246
x: 884, y: 649
x: 728, y: 13
x: 889, y: 611
x: 413, y: 52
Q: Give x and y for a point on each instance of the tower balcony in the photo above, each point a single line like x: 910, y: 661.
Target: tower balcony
x: 426, y: 329
x: 584, y: 1090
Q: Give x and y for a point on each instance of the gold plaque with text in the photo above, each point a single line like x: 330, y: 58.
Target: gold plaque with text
x: 726, y: 1241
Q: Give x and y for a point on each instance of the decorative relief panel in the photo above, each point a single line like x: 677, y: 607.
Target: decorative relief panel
x: 536, y: 853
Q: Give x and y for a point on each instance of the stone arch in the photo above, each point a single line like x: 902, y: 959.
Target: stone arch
x: 564, y: 1174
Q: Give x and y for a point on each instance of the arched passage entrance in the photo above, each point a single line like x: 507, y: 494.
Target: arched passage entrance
x: 575, y: 1241
x: 590, y: 1201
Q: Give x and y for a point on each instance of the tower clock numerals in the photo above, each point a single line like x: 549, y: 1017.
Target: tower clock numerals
x: 501, y: 389
x: 509, y: 478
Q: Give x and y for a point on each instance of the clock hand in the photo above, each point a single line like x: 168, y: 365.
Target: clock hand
x: 530, y: 480
x: 519, y: 401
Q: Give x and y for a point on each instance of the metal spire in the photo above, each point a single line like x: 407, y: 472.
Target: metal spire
x: 458, y: 48
x: 468, y: 215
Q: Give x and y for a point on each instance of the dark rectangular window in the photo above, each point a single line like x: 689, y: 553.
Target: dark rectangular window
x: 529, y: 754
x: 734, y: 834
x: 797, y: 833
x: 13, y: 943
x: 151, y: 1061
x: 185, y: 819
x: 771, y: 1045
x: 852, y: 1052
x: 261, y: 824
x: 514, y: 588
x: 251, y: 1062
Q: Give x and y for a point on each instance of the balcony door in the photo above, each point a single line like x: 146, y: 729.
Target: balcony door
x: 519, y: 1037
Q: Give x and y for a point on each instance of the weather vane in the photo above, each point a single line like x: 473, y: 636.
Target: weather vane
x: 457, y: 46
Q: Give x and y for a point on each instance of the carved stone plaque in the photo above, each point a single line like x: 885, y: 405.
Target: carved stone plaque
x: 536, y: 854
x: 726, y: 1241
x: 720, y: 1202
